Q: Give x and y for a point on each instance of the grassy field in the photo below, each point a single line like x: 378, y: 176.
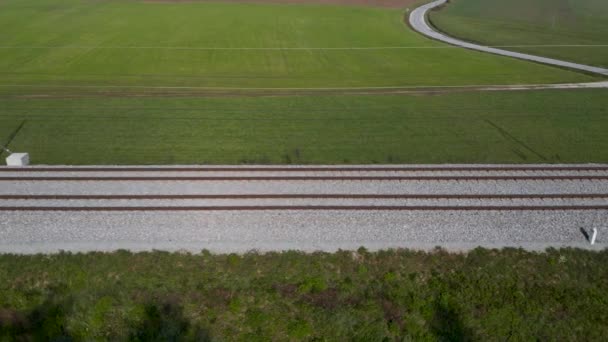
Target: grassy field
x: 136, y: 43
x: 532, y: 22
x: 469, y: 127
x: 64, y: 72
x: 485, y: 295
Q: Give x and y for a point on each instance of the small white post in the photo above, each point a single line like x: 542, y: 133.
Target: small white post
x: 593, y: 236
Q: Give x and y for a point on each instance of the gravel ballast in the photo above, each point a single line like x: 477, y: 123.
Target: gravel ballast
x: 30, y: 231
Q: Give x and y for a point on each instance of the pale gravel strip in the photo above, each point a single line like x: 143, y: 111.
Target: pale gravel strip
x: 308, y: 231
x: 307, y: 170
x: 419, y: 23
x: 342, y: 167
x: 297, y: 173
x: 303, y: 187
x: 297, y: 202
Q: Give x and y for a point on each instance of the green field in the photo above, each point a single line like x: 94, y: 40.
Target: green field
x: 532, y: 22
x: 135, y: 82
x: 545, y: 126
x: 142, y: 44
x: 484, y: 295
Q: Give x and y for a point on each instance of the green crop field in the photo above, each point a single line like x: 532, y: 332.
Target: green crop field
x: 532, y: 22
x: 121, y: 82
x: 75, y: 43
x: 470, y: 127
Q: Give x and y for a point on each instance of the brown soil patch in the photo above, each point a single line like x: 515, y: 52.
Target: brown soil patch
x: 371, y: 3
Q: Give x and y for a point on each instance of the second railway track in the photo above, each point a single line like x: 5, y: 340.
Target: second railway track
x: 305, y: 188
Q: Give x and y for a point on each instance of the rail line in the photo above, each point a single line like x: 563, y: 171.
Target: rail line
x: 305, y: 169
x: 313, y: 208
x: 303, y: 196
x: 312, y: 178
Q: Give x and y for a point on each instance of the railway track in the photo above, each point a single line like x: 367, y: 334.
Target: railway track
x: 306, y: 178
x: 235, y: 209
x: 351, y: 188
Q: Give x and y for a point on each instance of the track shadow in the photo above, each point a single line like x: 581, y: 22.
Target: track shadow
x: 447, y: 324
x: 46, y: 322
x: 12, y: 136
x: 585, y: 234
x: 165, y: 322
x: 512, y: 138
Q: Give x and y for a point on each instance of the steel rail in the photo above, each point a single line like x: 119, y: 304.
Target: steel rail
x: 302, y: 196
x: 308, y: 178
x: 312, y: 208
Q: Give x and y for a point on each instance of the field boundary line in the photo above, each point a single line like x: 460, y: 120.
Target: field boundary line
x: 296, y: 48
x: 585, y: 85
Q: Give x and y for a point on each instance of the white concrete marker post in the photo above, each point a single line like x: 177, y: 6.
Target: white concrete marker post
x: 593, y: 236
x: 18, y: 159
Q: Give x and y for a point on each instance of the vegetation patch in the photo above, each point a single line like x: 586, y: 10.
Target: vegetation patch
x: 395, y: 294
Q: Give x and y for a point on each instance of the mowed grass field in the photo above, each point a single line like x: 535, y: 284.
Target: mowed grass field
x: 470, y: 127
x: 532, y: 22
x: 80, y: 43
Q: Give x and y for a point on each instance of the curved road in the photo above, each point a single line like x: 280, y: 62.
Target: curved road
x: 418, y: 22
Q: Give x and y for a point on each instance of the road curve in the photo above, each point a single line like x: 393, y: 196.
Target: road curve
x: 418, y: 22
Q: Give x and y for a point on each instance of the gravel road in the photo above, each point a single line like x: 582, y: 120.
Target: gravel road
x: 418, y: 22
x: 308, y: 214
